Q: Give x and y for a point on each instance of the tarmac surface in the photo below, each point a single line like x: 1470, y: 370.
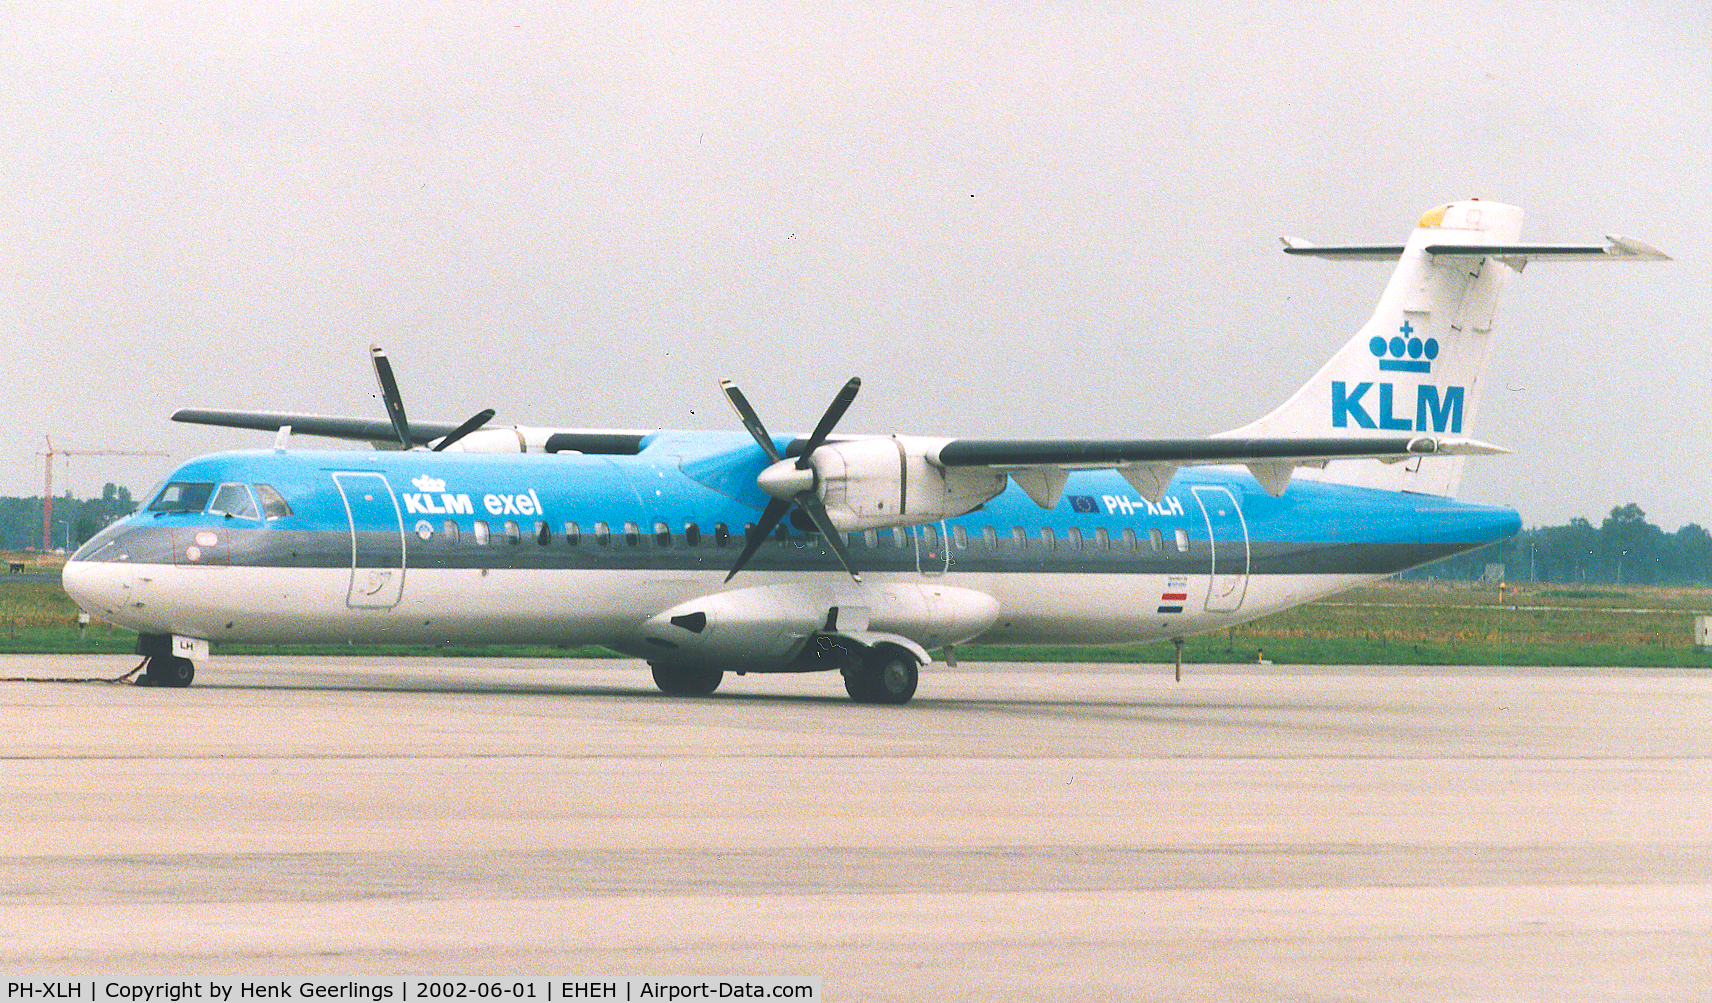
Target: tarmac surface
x: 1017, y: 832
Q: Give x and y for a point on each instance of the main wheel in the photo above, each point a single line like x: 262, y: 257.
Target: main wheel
x: 686, y: 681
x: 168, y: 670
x: 886, y: 676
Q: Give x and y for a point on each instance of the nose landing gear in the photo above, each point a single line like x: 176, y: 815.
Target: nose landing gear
x: 168, y: 670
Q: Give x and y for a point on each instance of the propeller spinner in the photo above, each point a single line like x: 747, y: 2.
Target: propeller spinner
x: 792, y: 483
x: 394, y: 402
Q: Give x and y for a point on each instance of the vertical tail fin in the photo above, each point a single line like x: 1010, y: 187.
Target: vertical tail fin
x: 1420, y: 363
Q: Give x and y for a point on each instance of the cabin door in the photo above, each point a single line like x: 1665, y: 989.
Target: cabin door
x: 1227, y: 540
x: 377, y: 541
x: 932, y: 550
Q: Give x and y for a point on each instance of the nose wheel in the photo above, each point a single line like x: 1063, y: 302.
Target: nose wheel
x: 168, y: 670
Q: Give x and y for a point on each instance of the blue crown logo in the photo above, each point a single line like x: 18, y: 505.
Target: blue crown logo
x: 1404, y: 353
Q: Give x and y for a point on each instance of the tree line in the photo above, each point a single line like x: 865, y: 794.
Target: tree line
x: 74, y: 520
x: 1625, y: 549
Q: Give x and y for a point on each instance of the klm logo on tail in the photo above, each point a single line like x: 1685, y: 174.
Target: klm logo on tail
x: 1407, y: 354
x: 1432, y: 411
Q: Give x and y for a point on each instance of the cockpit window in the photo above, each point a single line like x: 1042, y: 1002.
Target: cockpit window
x: 274, y: 505
x: 182, y: 496
x: 234, y: 500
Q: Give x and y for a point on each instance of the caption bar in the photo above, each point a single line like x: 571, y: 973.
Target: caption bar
x: 539, y: 990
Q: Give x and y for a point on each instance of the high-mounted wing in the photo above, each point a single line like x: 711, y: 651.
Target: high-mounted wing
x: 327, y: 426
x: 1040, y: 467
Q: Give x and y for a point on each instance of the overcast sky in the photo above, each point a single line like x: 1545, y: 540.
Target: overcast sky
x: 1059, y: 221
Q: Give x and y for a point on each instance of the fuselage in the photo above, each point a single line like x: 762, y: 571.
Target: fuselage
x: 291, y: 546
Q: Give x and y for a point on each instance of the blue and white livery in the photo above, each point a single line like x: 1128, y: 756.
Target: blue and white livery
x: 708, y: 552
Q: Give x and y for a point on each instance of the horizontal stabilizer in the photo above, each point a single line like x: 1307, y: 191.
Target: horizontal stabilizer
x: 1347, y: 252
x: 1516, y: 255
x: 1615, y: 249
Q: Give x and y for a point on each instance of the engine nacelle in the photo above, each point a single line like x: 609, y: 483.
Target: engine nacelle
x: 874, y: 483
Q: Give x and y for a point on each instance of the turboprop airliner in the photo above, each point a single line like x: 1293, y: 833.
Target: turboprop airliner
x: 712, y: 552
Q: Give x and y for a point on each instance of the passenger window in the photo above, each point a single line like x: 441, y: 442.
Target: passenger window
x: 480, y: 533
x: 692, y: 534
x: 871, y: 538
x: 930, y: 536
x: 513, y: 533
x: 602, y: 534
x: 990, y: 537
x: 662, y: 535
x: 234, y: 502
x: 1019, y: 536
x: 782, y: 534
x: 1183, y: 540
x: 1103, y: 538
x: 1129, y: 538
x: 182, y: 496
x: 1156, y: 539
x: 748, y: 532
x: 721, y: 534
x: 632, y: 534
x: 573, y: 534
x: 960, y: 536
x: 900, y: 537
x: 543, y: 533
x: 274, y: 505
x: 1075, y: 536
x: 1049, y: 538
x: 451, y: 528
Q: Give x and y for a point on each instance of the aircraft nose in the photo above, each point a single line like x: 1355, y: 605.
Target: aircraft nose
x: 96, y: 586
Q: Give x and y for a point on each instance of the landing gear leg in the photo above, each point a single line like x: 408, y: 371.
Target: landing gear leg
x: 886, y: 676
x: 686, y: 681
x: 168, y: 670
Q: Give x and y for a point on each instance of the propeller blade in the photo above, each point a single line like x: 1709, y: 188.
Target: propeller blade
x: 476, y: 421
x: 752, y: 422
x: 809, y: 502
x: 770, y: 517
x: 389, y: 395
x: 840, y: 404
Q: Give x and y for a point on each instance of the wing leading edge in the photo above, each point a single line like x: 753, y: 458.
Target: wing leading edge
x: 1041, y: 466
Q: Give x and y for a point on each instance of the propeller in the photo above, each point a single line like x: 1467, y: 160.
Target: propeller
x: 475, y: 421
x: 394, y: 402
x: 792, y: 483
x: 390, y: 396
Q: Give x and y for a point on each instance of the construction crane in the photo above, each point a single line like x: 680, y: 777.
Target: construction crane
x: 47, y: 480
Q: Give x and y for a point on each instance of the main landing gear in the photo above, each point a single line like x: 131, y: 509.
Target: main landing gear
x: 884, y: 675
x: 686, y: 681
x: 167, y: 670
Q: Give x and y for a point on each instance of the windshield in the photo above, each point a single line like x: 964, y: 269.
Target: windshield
x: 273, y: 504
x: 182, y: 496
x: 234, y: 500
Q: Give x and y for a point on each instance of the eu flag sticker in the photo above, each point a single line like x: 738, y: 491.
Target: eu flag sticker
x: 1084, y: 503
